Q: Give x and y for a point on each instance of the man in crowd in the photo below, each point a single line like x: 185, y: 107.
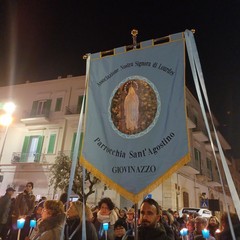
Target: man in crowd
x: 24, y: 206
x: 5, y: 204
x: 200, y: 224
x: 150, y: 226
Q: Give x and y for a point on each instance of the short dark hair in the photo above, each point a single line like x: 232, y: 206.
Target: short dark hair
x: 152, y: 202
x: 120, y: 223
x: 30, y: 183
x: 108, y: 201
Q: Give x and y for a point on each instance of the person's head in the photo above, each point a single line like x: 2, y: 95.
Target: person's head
x: 185, y: 217
x: 149, y: 213
x: 52, y: 208
x: 225, y: 222
x: 190, y: 225
x: 130, y: 214
x: 29, y: 187
x: 200, y: 224
x: 192, y: 215
x: 176, y: 214
x: 63, y: 197
x: 75, y: 210
x: 38, y: 209
x: 10, y: 191
x: 213, y: 221
x: 105, y: 206
x: 119, y: 228
x: 122, y: 213
x: 168, y: 217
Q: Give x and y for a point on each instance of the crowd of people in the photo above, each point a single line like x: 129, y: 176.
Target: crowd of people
x: 63, y: 220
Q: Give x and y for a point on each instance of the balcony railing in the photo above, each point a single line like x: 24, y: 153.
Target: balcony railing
x: 72, y: 110
x: 43, y: 114
x: 29, y: 157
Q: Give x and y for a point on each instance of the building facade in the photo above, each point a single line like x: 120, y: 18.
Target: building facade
x: 45, y: 125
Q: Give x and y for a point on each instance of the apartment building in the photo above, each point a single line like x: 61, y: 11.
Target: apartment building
x: 45, y: 124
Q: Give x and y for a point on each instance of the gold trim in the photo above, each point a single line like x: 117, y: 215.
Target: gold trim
x: 122, y: 191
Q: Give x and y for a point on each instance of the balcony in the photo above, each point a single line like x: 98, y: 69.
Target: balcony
x: 72, y: 112
x: 19, y: 157
x: 200, y: 135
x: 191, y: 168
x: 208, y: 147
x: 190, y: 123
x: 30, y: 119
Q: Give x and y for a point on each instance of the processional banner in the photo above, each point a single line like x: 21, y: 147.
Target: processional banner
x: 135, y: 133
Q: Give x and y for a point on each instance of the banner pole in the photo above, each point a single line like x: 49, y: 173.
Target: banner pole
x: 134, y: 33
x: 136, y: 222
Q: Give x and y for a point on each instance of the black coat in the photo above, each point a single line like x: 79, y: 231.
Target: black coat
x: 147, y: 233
x: 73, y: 224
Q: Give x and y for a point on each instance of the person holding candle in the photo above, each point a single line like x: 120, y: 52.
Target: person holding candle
x: 50, y: 227
x: 73, y: 228
x: 201, y: 233
x: 37, y: 214
x: 24, y: 206
x: 25, y: 202
x: 190, y: 227
x: 106, y: 214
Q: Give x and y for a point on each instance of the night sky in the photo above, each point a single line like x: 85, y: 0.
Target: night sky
x: 43, y: 39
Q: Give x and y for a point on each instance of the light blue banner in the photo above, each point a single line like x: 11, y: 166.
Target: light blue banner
x: 135, y: 127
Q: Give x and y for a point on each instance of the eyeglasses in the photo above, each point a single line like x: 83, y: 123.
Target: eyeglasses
x: 29, y: 186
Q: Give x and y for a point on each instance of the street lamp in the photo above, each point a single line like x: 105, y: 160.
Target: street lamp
x: 5, y: 120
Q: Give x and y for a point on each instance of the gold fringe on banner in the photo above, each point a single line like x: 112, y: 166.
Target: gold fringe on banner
x: 135, y: 198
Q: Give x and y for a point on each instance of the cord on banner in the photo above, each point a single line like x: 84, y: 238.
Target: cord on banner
x: 197, y: 72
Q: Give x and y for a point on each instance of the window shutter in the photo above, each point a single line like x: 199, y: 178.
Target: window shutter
x: 47, y: 107
x: 58, y: 105
x: 39, y: 148
x: 51, y: 144
x: 24, y: 153
x: 34, y: 108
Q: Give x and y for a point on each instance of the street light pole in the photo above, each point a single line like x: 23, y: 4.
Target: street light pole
x: 6, y: 120
x: 4, y: 140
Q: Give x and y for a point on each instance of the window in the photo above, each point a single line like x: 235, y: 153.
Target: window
x: 32, y: 149
x: 58, y: 105
x: 51, y: 144
x: 185, y: 199
x: 209, y: 167
x: 79, y: 105
x: 41, y: 107
x: 197, y: 157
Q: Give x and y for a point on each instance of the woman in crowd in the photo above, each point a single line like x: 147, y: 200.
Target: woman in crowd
x: 169, y: 219
x: 73, y: 228
x: 51, y: 224
x: 226, y: 232
x: 213, y: 225
x: 106, y: 214
x: 122, y: 214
